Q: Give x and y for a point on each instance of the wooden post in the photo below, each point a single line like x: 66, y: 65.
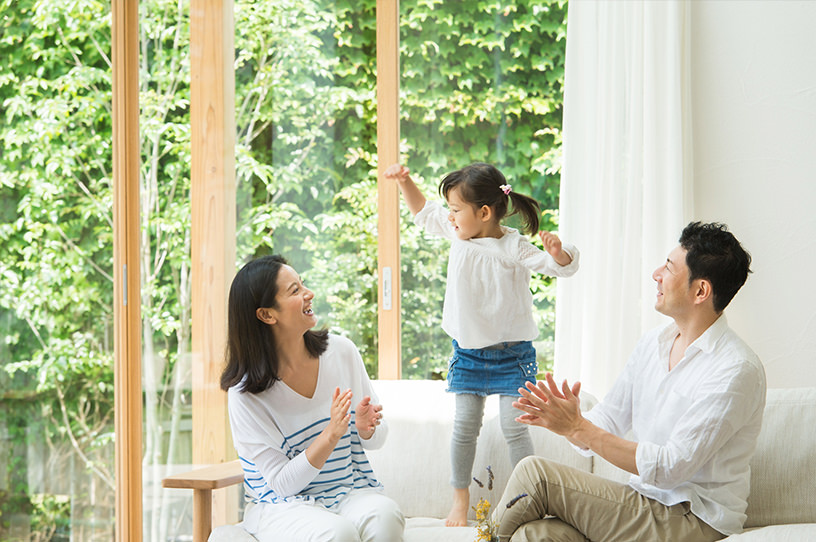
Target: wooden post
x: 126, y: 276
x: 388, y: 135
x: 212, y: 118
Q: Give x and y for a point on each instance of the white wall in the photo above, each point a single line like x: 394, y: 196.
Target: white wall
x: 754, y: 121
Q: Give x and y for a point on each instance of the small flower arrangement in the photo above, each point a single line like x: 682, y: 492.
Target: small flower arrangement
x: 487, y: 530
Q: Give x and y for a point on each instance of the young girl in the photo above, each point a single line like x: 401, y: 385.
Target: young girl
x: 488, y: 303
x: 301, y: 444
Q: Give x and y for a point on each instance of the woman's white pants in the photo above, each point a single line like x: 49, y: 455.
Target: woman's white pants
x: 364, y: 515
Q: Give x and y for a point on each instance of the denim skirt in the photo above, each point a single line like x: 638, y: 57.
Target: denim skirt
x: 500, y: 369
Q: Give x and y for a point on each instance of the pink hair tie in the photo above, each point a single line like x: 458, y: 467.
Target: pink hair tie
x: 506, y: 188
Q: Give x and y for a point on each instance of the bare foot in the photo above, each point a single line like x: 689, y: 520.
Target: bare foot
x: 457, y: 517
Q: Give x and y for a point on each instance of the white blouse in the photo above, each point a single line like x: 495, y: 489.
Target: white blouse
x: 487, y: 298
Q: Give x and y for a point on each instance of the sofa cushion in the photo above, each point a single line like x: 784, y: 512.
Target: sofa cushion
x: 434, y: 530
x: 783, y: 466
x: 802, y: 532
x: 414, y: 463
x: 230, y: 533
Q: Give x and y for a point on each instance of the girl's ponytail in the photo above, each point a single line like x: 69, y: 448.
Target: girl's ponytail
x: 529, y: 210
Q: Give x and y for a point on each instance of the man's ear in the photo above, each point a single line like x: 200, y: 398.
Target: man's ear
x: 485, y: 213
x: 704, y: 291
x: 265, y: 315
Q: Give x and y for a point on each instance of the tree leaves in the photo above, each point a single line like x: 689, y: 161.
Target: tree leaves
x: 479, y: 81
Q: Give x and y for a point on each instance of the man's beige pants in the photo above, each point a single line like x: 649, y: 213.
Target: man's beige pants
x: 567, y: 504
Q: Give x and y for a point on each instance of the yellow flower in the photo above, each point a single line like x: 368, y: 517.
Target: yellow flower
x: 486, y: 530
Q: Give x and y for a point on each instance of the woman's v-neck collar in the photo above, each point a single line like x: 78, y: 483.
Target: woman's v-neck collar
x: 316, y: 387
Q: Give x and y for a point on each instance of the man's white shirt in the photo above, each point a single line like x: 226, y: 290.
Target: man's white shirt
x: 696, y: 426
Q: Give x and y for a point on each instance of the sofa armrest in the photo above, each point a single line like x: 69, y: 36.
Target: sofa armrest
x: 202, y: 481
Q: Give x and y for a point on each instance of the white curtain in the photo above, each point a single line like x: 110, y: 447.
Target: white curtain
x: 626, y: 178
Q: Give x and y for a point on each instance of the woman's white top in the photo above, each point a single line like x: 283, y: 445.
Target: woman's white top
x: 487, y: 298
x: 273, y: 428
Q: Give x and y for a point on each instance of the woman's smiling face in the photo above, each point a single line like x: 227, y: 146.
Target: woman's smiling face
x: 294, y: 302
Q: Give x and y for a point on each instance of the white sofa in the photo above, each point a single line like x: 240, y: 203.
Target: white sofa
x: 414, y: 464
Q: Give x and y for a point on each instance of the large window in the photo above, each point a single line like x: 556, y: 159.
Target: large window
x: 476, y: 84
x: 56, y: 295
x: 306, y: 153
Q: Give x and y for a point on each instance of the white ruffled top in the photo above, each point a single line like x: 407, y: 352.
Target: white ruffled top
x: 488, y: 298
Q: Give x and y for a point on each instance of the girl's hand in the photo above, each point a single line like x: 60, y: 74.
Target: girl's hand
x: 368, y: 418
x: 552, y: 244
x: 340, y: 417
x: 398, y: 172
x: 414, y: 197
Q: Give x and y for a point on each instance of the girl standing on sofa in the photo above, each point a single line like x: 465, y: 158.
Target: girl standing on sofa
x: 290, y: 395
x: 488, y: 303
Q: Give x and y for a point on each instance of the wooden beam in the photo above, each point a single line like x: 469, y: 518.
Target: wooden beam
x: 388, y: 135
x: 127, y: 282
x: 212, y: 118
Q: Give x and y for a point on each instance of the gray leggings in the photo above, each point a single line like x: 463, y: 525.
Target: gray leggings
x: 466, y: 426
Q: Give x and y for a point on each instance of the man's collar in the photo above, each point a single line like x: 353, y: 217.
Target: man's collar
x: 668, y: 333
x: 704, y: 342
x: 710, y: 336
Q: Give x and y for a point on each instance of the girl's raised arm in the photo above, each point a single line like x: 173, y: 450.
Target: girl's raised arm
x: 413, y: 196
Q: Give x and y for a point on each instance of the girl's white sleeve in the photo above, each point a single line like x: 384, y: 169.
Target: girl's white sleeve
x: 258, y: 442
x: 540, y: 261
x: 433, y: 218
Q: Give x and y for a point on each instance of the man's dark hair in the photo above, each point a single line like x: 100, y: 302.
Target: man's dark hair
x: 714, y: 254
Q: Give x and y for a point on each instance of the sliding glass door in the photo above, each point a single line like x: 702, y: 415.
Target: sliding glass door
x: 476, y: 85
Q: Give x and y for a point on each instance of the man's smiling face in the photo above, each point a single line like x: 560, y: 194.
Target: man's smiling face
x: 674, y: 294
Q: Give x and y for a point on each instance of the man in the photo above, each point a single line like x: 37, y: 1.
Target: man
x: 691, y: 396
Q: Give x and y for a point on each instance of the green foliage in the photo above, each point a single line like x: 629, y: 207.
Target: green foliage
x: 485, y: 88
x: 307, y: 134
x: 480, y: 81
x: 50, y: 515
x: 56, y: 233
x: 477, y: 84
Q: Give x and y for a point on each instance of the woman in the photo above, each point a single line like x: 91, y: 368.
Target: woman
x: 290, y: 396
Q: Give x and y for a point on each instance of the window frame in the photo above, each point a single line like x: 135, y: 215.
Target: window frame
x: 213, y: 194
x: 127, y: 300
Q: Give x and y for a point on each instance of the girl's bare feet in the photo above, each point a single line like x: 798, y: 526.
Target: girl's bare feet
x: 457, y: 517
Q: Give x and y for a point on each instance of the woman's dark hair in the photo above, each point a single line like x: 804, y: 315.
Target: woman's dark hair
x: 714, y: 254
x: 251, y: 354
x: 480, y: 184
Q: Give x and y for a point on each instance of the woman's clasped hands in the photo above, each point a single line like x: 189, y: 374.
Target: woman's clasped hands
x: 367, y: 415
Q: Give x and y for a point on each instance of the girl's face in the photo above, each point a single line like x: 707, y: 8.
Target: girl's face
x: 468, y: 221
x: 294, y: 304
